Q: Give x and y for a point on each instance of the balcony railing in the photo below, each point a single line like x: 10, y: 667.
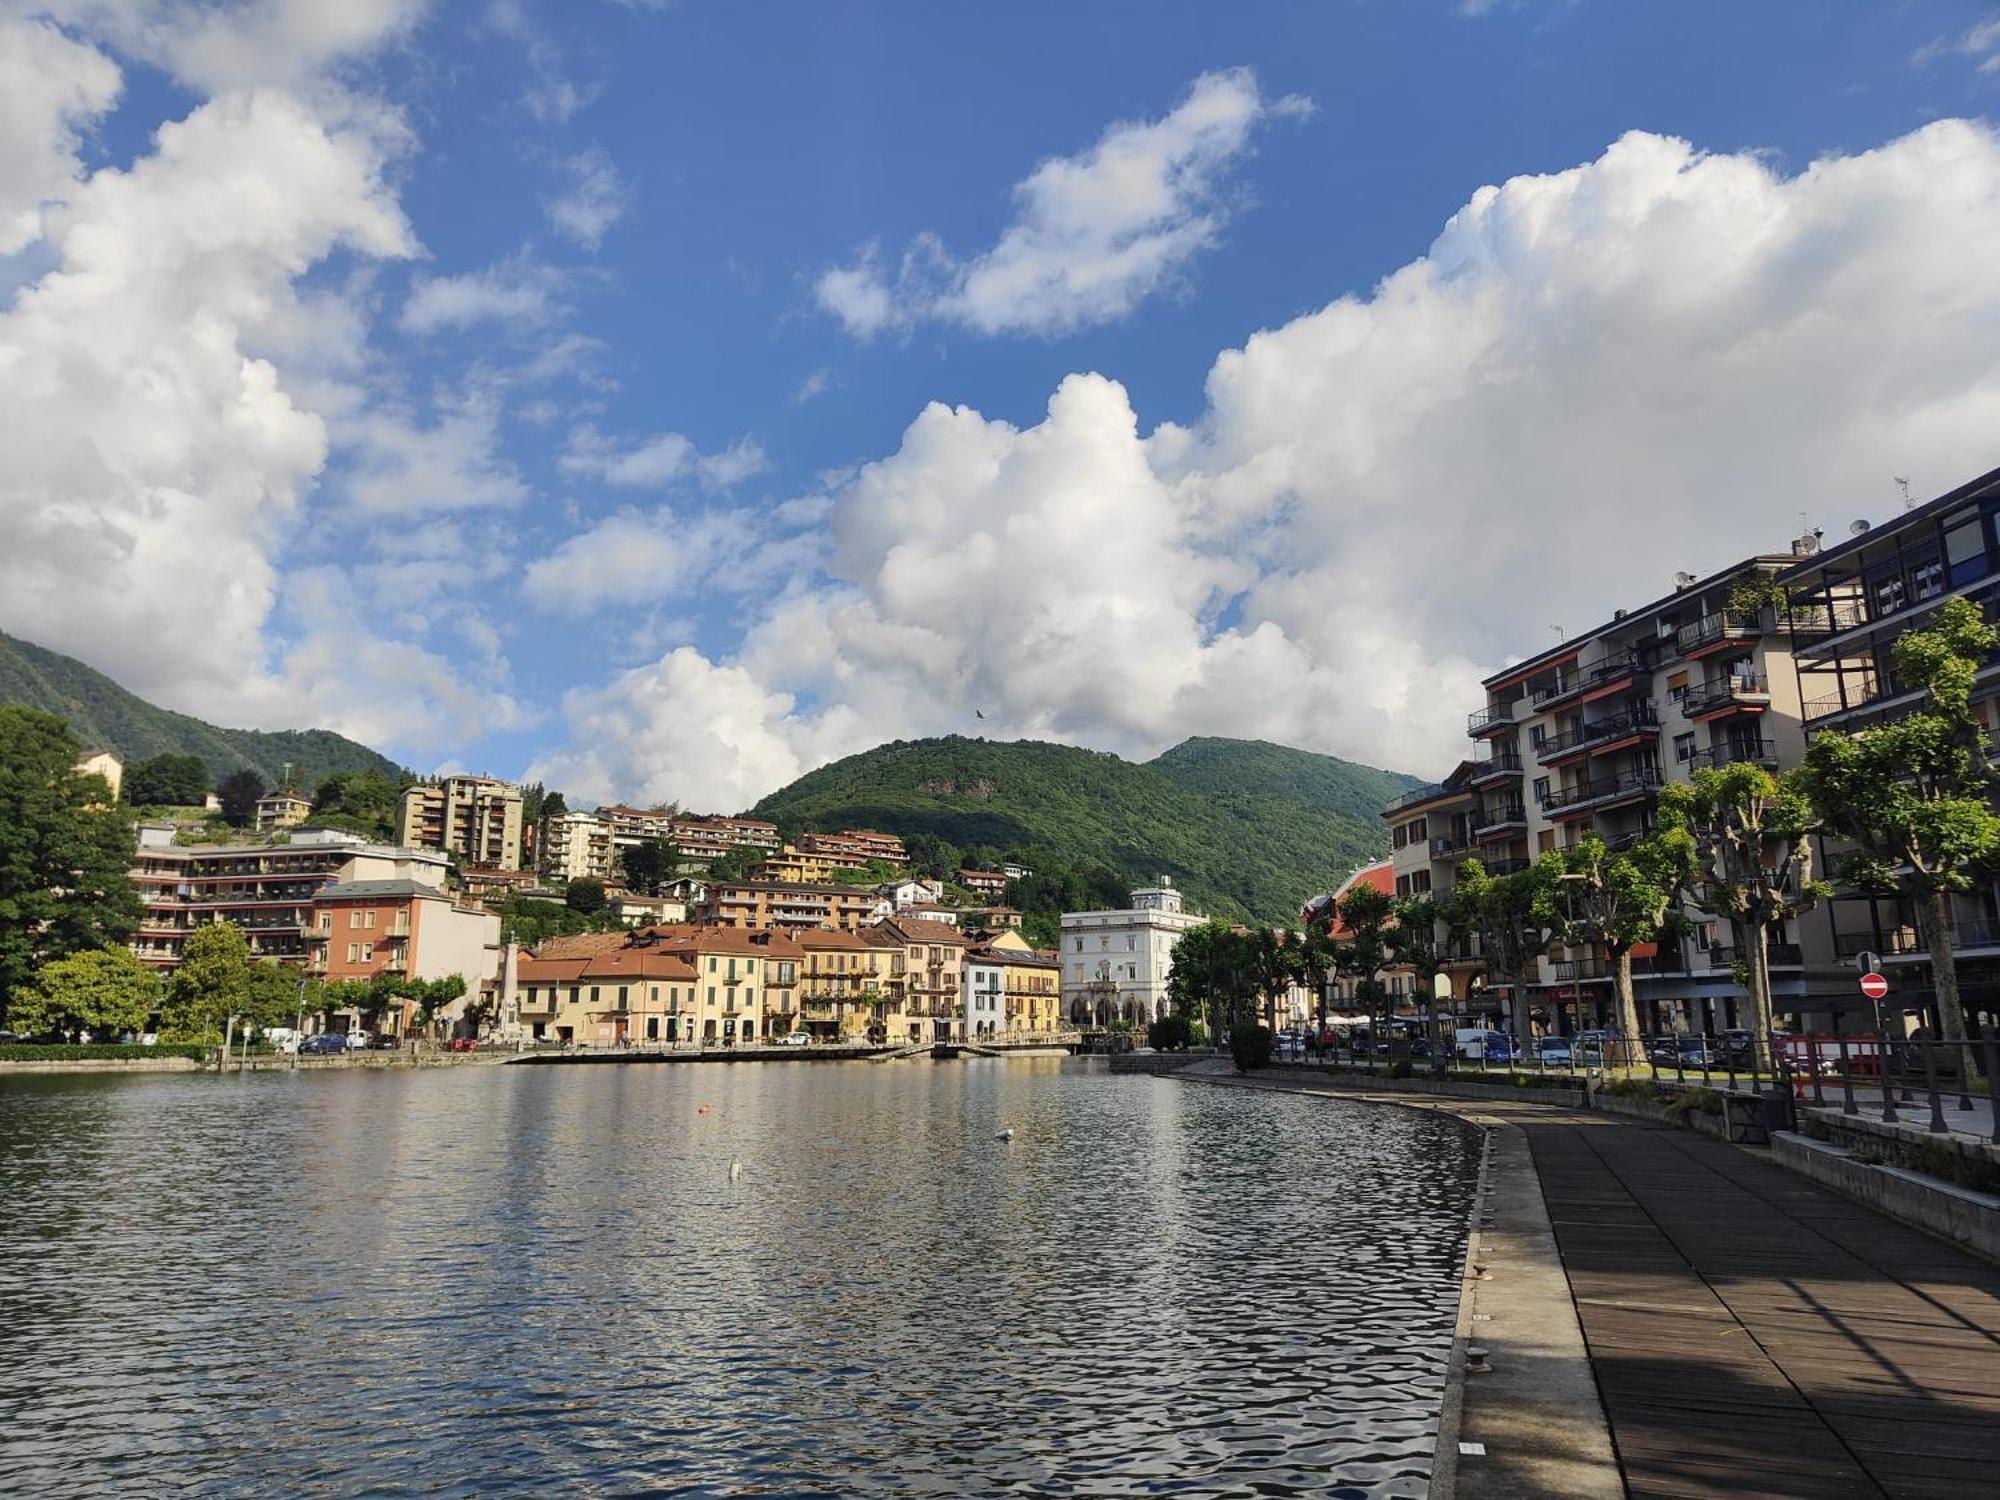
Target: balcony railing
x: 1507, y: 866
x: 1573, y: 970
x: 1859, y: 696
x: 1751, y: 752
x: 1622, y: 664
x: 1967, y: 932
x: 1726, y: 625
x: 1602, y: 790
x: 1505, y: 764
x: 1449, y: 848
x: 1712, y: 696
x: 1567, y: 685
x: 1503, y: 815
x: 1498, y: 716
x: 1825, y: 616
x: 1638, y: 721
x: 1419, y: 794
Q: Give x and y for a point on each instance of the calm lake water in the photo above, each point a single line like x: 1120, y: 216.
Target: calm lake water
x: 483, y: 1280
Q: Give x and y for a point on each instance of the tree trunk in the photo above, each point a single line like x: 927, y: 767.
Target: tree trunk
x: 1759, y: 962
x: 1628, y: 1008
x: 1934, y: 923
x: 1523, y: 1028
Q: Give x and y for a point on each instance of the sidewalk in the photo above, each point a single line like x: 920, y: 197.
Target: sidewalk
x: 1752, y: 1334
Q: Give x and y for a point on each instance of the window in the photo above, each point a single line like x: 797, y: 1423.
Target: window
x: 1677, y: 687
x: 1538, y: 735
x: 593, y: 994
x: 1545, y: 841
x: 369, y: 921
x: 1420, y: 883
x: 353, y: 952
x: 1964, y: 548
x: 353, y: 918
x: 1399, y: 836
x: 1402, y: 885
x: 1542, y: 790
x: 621, y: 995
x: 1684, y: 748
x: 367, y: 952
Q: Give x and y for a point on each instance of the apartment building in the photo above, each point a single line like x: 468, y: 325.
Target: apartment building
x: 722, y: 833
x: 267, y: 889
x: 850, y: 986
x: 799, y: 867
x: 855, y: 846
x: 758, y: 904
x: 281, y: 810
x: 1848, y: 604
x: 363, y: 928
x: 576, y: 846
x: 1579, y: 739
x: 983, y: 882
x: 933, y: 981
x: 476, y: 818
x: 1011, y: 987
x: 1115, y: 963
x: 619, y: 998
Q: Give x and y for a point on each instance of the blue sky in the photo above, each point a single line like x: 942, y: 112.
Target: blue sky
x: 566, y: 453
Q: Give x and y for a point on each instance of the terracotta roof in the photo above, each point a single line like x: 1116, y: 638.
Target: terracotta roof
x: 622, y: 966
x: 917, y: 930
x: 822, y: 939
x: 1380, y: 876
x: 580, y: 944
x: 1033, y: 960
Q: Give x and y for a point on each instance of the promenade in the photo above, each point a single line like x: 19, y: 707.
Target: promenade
x: 1749, y: 1333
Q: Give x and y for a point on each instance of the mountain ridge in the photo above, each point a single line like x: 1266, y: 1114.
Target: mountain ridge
x: 106, y: 716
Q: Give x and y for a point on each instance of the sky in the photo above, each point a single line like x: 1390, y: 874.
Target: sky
x: 662, y: 399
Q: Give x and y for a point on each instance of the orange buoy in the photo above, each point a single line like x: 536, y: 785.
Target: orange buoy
x: 701, y: 1109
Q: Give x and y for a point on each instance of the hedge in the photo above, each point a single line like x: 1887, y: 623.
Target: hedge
x: 97, y: 1052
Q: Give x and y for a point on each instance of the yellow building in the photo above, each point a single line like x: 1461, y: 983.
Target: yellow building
x: 103, y: 763
x: 850, y: 987
x: 793, y: 867
x: 282, y: 810
x: 1027, y: 982
x: 475, y: 817
x: 763, y: 904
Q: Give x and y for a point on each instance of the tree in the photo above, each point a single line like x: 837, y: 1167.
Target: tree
x: 359, y: 801
x: 433, y: 997
x: 584, y: 896
x: 1413, y: 942
x: 1618, y: 901
x: 1211, y: 975
x: 1515, y: 918
x: 1319, y: 957
x: 100, y: 989
x: 273, y: 996
x: 1739, y: 838
x: 1914, y: 797
x: 648, y: 865
x: 1365, y: 914
x: 240, y: 791
x: 65, y: 852
x: 167, y: 780
x: 1274, y: 967
x: 212, y: 984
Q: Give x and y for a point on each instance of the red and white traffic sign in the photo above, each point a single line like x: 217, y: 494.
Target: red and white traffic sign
x: 1874, y: 986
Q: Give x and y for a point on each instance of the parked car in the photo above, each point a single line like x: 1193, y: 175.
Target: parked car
x: 795, y: 1039
x: 463, y: 1044
x: 1554, y: 1052
x: 283, y: 1038
x: 325, y: 1043
x: 1479, y: 1041
x: 383, y: 1043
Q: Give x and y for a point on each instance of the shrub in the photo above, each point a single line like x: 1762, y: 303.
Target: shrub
x: 1171, y: 1033
x: 94, y: 1052
x: 1251, y: 1046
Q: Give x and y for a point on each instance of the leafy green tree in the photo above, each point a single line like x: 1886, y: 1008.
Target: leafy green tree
x: 239, y: 792
x: 1516, y: 917
x: 1212, y: 975
x: 433, y: 997
x: 65, y: 852
x: 1740, y: 838
x: 359, y: 801
x: 1413, y: 944
x: 212, y: 984
x: 1365, y: 917
x: 1319, y: 958
x: 1274, y: 967
x: 167, y: 780
x: 585, y: 896
x: 100, y: 989
x: 1618, y: 901
x: 273, y: 996
x: 648, y: 865
x: 1914, y: 797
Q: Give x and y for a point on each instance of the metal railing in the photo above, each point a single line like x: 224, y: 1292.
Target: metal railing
x: 1509, y: 764
x: 1715, y: 695
x: 1603, y: 789
x: 1725, y: 625
x: 1757, y: 752
x: 1497, y: 716
x: 1501, y: 816
x: 1638, y: 721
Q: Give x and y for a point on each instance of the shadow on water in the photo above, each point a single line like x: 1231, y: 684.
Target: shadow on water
x: 499, y: 1280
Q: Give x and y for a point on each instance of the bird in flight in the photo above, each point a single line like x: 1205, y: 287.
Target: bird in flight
x: 977, y: 714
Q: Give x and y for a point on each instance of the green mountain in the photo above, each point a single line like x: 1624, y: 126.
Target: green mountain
x: 1247, y: 829
x: 106, y: 717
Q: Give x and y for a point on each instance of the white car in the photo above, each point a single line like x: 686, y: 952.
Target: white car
x: 795, y: 1039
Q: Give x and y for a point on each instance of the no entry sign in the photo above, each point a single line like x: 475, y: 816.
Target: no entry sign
x: 1874, y: 986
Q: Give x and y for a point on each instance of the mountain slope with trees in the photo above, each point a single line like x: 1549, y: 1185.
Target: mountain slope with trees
x: 103, y: 715
x: 1251, y: 845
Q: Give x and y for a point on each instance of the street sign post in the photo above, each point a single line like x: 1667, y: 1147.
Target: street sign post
x: 1868, y: 963
x: 1874, y: 986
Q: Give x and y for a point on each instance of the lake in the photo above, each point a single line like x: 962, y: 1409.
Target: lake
x: 491, y: 1280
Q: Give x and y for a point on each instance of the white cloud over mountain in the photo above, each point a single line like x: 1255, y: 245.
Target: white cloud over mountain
x: 1092, y: 236
x: 1594, y: 378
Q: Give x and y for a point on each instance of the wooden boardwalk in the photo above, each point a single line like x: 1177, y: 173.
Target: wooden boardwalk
x: 1754, y: 1335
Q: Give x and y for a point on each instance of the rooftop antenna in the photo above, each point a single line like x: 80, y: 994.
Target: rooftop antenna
x: 1902, y: 482
x: 1561, y: 634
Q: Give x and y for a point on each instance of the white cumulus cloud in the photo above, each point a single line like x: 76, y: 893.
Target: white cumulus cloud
x: 516, y: 291
x: 596, y: 198
x: 51, y: 88
x: 1093, y: 235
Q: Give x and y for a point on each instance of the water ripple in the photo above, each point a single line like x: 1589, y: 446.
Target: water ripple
x: 487, y: 1281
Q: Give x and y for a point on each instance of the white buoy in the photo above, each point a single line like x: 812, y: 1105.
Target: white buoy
x: 1005, y: 1135
x: 736, y: 1171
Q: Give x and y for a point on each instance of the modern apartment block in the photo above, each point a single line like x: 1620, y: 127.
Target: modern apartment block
x: 1115, y: 963
x: 267, y: 889
x: 800, y: 865
x: 759, y: 904
x: 476, y: 818
x: 855, y: 846
x: 576, y: 846
x: 1579, y: 739
x: 361, y: 928
x: 1847, y: 606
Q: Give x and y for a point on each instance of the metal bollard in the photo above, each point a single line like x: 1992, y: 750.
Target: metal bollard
x: 1937, y: 1126
x: 1882, y: 1077
x: 1812, y: 1062
x: 1847, y: 1104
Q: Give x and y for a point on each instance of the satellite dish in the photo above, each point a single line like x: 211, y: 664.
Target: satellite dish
x: 1682, y: 580
x: 1856, y: 528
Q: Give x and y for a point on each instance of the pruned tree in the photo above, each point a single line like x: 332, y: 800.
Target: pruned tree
x: 1516, y: 917
x: 1739, y: 842
x: 1274, y: 966
x: 1618, y: 901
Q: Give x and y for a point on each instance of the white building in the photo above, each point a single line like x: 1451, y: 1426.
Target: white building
x: 1115, y: 963
x: 985, y: 1003
x: 576, y: 846
x: 904, y: 894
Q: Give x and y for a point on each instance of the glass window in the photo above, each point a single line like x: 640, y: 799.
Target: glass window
x: 1926, y: 578
x: 1964, y: 549
x: 1684, y: 747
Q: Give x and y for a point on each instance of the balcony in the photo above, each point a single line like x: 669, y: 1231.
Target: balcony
x: 1491, y: 720
x: 1565, y: 687
x: 1966, y: 934
x: 1417, y: 796
x: 1613, y: 673
x: 1495, y: 821
x: 1495, y: 768
x: 1579, y: 970
x: 1824, y: 617
x: 1716, y: 630
x: 1749, y: 753
x: 1639, y: 723
x: 1747, y: 694
x: 1606, y: 790
x: 1498, y: 867
x: 1453, y: 847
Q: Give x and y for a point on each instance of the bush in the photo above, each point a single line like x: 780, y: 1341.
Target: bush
x: 96, y: 1051
x: 1251, y: 1046
x: 1171, y: 1033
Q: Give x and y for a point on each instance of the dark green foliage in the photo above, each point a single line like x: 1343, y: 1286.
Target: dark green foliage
x: 1301, y: 825
x: 585, y: 896
x: 99, y: 1052
x: 647, y: 864
x: 167, y: 780
x: 1251, y: 1047
x: 239, y: 793
x: 1173, y: 1032
x: 527, y: 921
x: 362, y: 802
x: 103, y: 715
x: 735, y: 863
x: 65, y: 855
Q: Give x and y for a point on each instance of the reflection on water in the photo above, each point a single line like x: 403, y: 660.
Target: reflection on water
x: 482, y: 1280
